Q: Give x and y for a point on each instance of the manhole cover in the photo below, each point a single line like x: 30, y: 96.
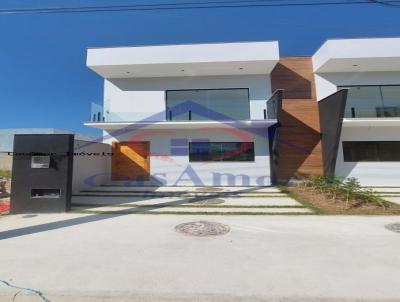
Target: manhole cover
x: 395, y: 227
x: 211, y: 189
x: 210, y: 201
x: 202, y: 228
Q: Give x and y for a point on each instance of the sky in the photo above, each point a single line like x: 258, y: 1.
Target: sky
x: 44, y: 81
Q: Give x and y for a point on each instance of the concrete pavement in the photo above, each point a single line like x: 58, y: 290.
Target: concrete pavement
x: 78, y: 257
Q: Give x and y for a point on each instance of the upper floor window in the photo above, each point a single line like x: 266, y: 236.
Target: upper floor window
x: 372, y: 101
x: 208, y: 104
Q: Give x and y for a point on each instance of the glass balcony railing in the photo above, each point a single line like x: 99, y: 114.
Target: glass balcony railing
x: 100, y: 115
x: 373, y: 102
x: 273, y: 104
x: 236, y: 109
x: 96, y: 113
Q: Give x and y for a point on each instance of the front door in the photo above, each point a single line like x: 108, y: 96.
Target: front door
x: 131, y: 161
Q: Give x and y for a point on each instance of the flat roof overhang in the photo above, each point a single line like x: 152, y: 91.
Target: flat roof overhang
x: 358, y: 55
x: 183, y: 125
x: 238, y: 58
x: 371, y: 122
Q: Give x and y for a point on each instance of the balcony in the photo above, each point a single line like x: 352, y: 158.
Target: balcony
x: 194, y: 108
x: 372, y: 105
x: 373, y: 102
x: 232, y: 111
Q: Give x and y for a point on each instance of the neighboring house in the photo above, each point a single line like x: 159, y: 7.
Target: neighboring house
x: 238, y: 114
x: 369, y: 147
x: 7, y: 141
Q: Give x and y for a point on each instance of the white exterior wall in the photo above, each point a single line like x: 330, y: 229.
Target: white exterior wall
x: 362, y: 55
x: 144, y: 98
x: 5, y: 161
x: 91, y: 159
x: 369, y: 173
x: 168, y: 167
x: 184, y: 60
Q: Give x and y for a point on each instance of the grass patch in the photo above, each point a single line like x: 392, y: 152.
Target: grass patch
x: 189, y: 213
x: 302, y: 200
x: 190, y: 206
x: 5, y: 174
x: 332, y: 196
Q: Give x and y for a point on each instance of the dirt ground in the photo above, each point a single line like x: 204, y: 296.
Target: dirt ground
x: 325, y: 205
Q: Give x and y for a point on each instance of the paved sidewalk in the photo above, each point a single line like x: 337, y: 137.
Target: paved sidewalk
x: 187, y: 200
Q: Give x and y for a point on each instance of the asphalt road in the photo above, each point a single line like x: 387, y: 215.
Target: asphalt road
x: 75, y: 257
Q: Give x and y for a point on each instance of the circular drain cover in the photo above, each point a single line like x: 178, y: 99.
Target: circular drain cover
x: 211, y: 189
x: 210, y: 201
x: 202, y: 228
x: 395, y: 227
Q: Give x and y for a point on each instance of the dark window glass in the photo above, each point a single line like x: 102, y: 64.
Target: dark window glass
x: 208, y: 104
x: 372, y: 101
x: 371, y: 151
x: 221, y: 151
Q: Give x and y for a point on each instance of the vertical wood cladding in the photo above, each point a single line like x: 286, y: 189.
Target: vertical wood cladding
x: 298, y: 139
x: 294, y: 75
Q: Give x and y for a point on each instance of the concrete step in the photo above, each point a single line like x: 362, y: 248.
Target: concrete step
x: 197, y: 201
x: 385, y: 190
x: 177, y: 194
x: 392, y: 199
x: 171, y: 189
x: 189, y: 210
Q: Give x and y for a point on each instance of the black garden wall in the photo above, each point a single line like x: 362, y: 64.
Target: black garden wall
x: 42, y: 190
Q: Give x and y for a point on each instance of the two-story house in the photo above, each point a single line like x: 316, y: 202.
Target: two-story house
x: 369, y: 143
x: 184, y: 114
x: 239, y: 114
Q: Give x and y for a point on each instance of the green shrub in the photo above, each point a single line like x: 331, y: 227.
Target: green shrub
x: 348, y: 190
x: 5, y: 173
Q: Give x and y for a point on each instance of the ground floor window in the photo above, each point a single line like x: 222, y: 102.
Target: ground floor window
x: 221, y: 151
x: 371, y: 151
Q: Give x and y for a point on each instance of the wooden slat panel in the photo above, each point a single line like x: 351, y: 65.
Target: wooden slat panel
x: 299, y: 141
x: 131, y: 161
x: 294, y: 75
x: 299, y: 114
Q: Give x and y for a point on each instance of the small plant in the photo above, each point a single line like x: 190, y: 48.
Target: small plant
x: 349, y: 190
x: 351, y: 187
x: 5, y: 174
x: 333, y: 185
x: 368, y: 195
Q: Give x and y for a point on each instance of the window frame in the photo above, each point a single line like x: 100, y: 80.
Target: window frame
x: 253, y: 154
x: 338, y: 87
x: 379, y: 160
x: 192, y: 89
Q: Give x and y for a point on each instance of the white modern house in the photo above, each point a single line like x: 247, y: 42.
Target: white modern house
x: 369, y: 147
x: 239, y: 114
x: 187, y: 114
